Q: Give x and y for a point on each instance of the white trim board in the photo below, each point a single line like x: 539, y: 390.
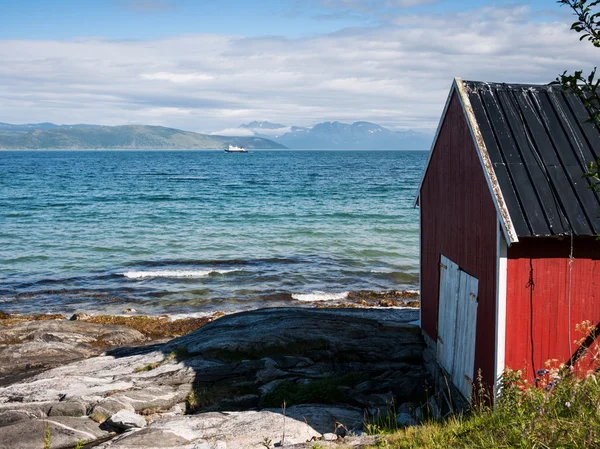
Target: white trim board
x: 508, y: 229
x: 501, y: 286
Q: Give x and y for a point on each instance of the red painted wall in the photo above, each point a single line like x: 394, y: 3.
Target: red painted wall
x: 537, y: 299
x: 459, y: 220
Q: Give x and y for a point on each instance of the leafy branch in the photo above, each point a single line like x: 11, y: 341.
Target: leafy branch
x: 587, y: 88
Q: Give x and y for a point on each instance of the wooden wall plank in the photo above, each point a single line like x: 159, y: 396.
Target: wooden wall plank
x: 458, y: 219
x: 538, y: 328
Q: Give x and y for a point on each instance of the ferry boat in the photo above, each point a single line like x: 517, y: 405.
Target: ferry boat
x: 234, y: 149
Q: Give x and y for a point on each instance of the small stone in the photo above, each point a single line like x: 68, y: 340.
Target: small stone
x: 330, y: 437
x: 405, y: 419
x: 126, y: 420
x: 79, y: 316
x: 110, y: 406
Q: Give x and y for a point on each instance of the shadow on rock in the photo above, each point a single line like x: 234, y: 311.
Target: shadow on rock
x: 250, y: 380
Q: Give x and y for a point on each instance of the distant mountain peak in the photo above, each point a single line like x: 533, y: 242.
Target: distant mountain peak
x: 44, y: 136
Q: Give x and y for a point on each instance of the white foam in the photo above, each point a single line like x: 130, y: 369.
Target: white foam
x: 320, y: 296
x: 172, y: 273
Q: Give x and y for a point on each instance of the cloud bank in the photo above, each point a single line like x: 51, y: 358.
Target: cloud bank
x: 396, y: 74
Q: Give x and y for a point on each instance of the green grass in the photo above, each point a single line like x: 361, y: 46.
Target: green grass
x: 558, y: 413
x: 323, y: 391
x: 47, y: 437
x: 148, y: 367
x: 201, y: 398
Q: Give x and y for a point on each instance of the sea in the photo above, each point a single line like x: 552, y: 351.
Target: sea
x: 188, y: 233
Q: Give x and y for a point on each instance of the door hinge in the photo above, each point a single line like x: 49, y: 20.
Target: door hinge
x: 443, y: 266
x: 440, y: 339
x: 468, y: 379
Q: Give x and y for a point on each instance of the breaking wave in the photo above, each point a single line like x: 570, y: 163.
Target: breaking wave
x: 173, y: 273
x: 320, y: 296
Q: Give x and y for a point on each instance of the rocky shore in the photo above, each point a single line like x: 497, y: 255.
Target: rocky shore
x: 280, y: 377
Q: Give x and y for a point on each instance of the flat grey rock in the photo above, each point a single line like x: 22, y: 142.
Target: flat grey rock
x: 38, y: 345
x: 64, y: 432
x: 239, y: 430
x: 223, y: 375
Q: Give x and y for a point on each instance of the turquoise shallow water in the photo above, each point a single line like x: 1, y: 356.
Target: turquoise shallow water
x: 197, y: 231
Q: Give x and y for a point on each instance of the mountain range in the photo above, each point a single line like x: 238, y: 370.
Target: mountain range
x: 62, y: 137
x: 264, y: 135
x: 336, y: 135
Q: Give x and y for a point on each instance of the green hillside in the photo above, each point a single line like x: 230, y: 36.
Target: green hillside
x: 123, y: 137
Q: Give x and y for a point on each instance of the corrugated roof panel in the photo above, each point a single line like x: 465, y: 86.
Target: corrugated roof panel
x: 591, y: 134
x: 510, y: 196
x: 540, y: 143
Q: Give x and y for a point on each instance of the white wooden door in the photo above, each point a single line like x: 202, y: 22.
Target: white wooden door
x: 457, y: 323
x: 446, y: 334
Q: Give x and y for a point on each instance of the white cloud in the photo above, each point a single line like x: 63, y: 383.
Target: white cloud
x: 273, y: 132
x: 176, y: 77
x: 396, y: 74
x: 238, y: 132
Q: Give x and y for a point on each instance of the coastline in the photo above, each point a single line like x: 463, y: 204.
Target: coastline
x: 177, y: 324
x: 325, y: 365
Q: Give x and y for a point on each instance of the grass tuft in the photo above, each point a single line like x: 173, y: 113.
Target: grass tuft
x: 202, y: 398
x: 562, y: 411
x: 98, y: 417
x: 47, y: 437
x: 148, y: 367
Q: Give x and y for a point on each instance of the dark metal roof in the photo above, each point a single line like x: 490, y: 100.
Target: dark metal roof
x: 540, y: 142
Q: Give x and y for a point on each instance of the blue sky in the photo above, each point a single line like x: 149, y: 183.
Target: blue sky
x: 152, y: 19
x: 211, y: 65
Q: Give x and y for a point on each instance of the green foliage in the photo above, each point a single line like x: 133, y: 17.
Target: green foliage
x: 588, y: 19
x: 586, y: 87
x: 561, y: 412
x: 80, y: 444
x: 383, y: 423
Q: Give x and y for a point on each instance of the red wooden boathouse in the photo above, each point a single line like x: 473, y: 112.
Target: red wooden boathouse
x: 509, y: 260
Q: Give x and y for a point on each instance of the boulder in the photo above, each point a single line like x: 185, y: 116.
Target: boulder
x: 126, y: 420
x: 405, y: 420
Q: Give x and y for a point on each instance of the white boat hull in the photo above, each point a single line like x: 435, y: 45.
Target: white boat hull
x: 234, y: 149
